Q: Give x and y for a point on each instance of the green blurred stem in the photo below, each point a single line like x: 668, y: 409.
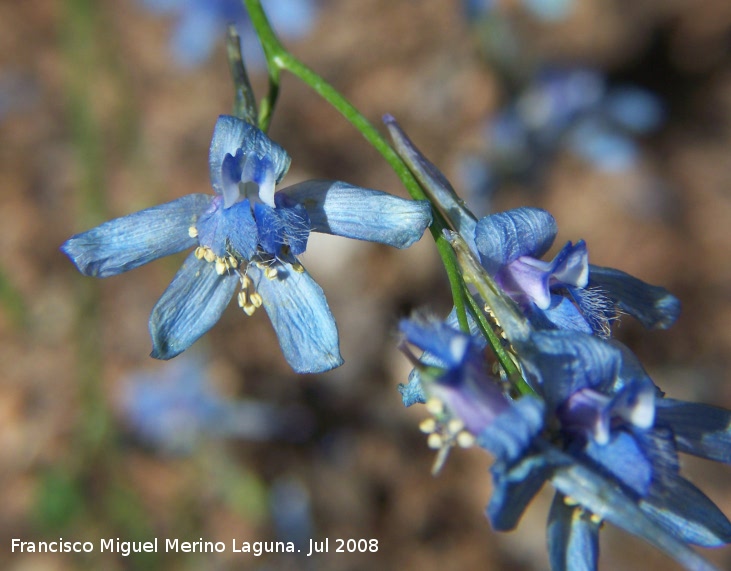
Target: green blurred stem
x: 278, y: 58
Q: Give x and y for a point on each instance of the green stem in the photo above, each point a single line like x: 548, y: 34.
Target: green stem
x: 506, y: 361
x: 278, y: 58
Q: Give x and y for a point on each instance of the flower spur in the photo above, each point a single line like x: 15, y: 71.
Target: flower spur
x: 249, y: 236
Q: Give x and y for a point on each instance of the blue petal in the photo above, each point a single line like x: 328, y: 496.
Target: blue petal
x: 228, y: 230
x: 653, y: 306
x: 126, y: 243
x: 567, y: 361
x: 301, y: 318
x: 447, y: 344
x: 504, y: 237
x: 192, y: 304
x: 608, y: 501
x: 687, y: 513
x: 513, y: 489
x: 561, y: 314
x: 435, y: 183
x: 623, y: 458
x: 573, y: 537
x: 699, y: 429
x: 353, y: 212
x: 232, y: 134
x: 412, y: 392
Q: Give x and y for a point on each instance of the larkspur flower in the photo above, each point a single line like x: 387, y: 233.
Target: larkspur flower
x: 599, y: 431
x: 248, y: 236
x: 612, y: 420
x: 566, y: 292
x: 468, y: 403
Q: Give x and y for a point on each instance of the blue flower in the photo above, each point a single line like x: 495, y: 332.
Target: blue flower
x: 566, y: 292
x: 176, y: 407
x: 201, y: 23
x: 247, y: 236
x: 469, y: 404
x: 614, y: 428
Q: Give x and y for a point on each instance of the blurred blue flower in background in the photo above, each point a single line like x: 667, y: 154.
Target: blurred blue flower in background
x: 562, y: 109
x: 200, y: 24
x: 176, y: 407
x: 545, y: 10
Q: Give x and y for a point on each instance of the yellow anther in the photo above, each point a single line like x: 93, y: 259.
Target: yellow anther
x: 233, y: 262
x: 193, y: 232
x: 245, y: 281
x: 435, y: 406
x: 435, y: 442
x: 297, y: 267
x: 199, y: 252
x: 256, y: 299
x: 271, y: 273
x: 242, y: 298
x: 428, y: 425
x: 465, y: 439
x: 209, y: 255
x: 249, y: 309
x: 595, y: 519
x: 569, y: 501
x: 454, y: 426
x: 220, y: 266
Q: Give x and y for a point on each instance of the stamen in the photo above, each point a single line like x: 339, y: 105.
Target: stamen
x: 200, y: 252
x: 249, y: 309
x: 297, y: 267
x: 435, y: 441
x: 435, y: 406
x: 465, y: 439
x: 233, y: 262
x: 220, y: 266
x: 595, y: 519
x: 193, y: 232
x: 455, y: 425
x: 209, y: 255
x: 256, y: 299
x: 428, y: 425
x: 242, y: 298
x: 569, y: 501
x: 271, y: 273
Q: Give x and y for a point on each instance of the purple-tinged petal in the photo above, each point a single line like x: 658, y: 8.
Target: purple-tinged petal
x: 687, y: 513
x: 260, y: 159
x: 433, y: 181
x: 653, y: 306
x: 363, y: 214
x: 128, y: 242
x: 192, y: 304
x: 573, y: 537
x: 300, y: 316
x: 699, y: 429
x: 513, y: 429
x: 506, y: 236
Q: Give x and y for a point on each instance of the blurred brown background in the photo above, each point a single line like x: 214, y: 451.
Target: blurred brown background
x: 100, y: 122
